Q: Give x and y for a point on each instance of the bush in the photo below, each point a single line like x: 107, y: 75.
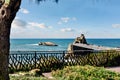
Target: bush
x: 85, y: 73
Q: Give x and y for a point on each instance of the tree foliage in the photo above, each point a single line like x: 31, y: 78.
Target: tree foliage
x: 38, y: 1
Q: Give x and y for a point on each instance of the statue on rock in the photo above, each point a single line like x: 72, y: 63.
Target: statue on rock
x: 81, y: 39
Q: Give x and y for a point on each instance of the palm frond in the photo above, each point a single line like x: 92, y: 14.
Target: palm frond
x: 38, y: 1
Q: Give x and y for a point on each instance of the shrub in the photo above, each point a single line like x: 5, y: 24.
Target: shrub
x: 85, y: 73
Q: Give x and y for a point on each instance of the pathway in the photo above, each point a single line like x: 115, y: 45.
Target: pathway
x: 48, y: 75
x: 115, y: 69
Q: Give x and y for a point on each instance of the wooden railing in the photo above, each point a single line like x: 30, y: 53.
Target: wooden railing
x: 47, y: 60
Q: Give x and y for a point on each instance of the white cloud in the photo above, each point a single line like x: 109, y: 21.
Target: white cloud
x: 59, y: 22
x: 74, y: 18
x: 50, y: 27
x: 116, y: 25
x: 23, y: 10
x: 66, y: 19
x: 19, y: 23
x: 67, y: 30
x: 40, y: 25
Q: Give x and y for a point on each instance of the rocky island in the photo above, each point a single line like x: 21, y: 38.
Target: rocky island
x: 47, y: 44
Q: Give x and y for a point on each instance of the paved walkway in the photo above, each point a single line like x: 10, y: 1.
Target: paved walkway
x: 115, y: 69
x: 48, y: 75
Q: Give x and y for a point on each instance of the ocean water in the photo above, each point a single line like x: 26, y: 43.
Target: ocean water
x: 32, y: 44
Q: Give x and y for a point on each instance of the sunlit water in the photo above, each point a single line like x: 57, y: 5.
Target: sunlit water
x: 32, y: 44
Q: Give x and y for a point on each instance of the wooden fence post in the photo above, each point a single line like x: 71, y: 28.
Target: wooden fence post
x: 63, y: 57
x: 35, y: 60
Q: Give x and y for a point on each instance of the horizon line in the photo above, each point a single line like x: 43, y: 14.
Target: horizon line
x: 63, y: 38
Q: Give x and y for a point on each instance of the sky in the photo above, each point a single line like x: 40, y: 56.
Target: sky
x: 67, y: 19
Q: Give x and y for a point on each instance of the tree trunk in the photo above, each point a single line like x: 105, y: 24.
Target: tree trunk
x: 4, y: 49
x: 7, y: 14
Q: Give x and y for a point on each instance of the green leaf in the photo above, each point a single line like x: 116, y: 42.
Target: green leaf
x: 7, y: 2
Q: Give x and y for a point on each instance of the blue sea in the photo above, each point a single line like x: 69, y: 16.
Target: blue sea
x: 32, y: 44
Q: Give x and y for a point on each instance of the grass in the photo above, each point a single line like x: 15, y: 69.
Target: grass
x: 85, y: 73
x: 34, y: 74
x: 27, y: 78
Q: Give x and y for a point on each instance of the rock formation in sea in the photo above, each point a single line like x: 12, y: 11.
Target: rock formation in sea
x: 81, y: 47
x: 81, y: 39
x: 47, y: 44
